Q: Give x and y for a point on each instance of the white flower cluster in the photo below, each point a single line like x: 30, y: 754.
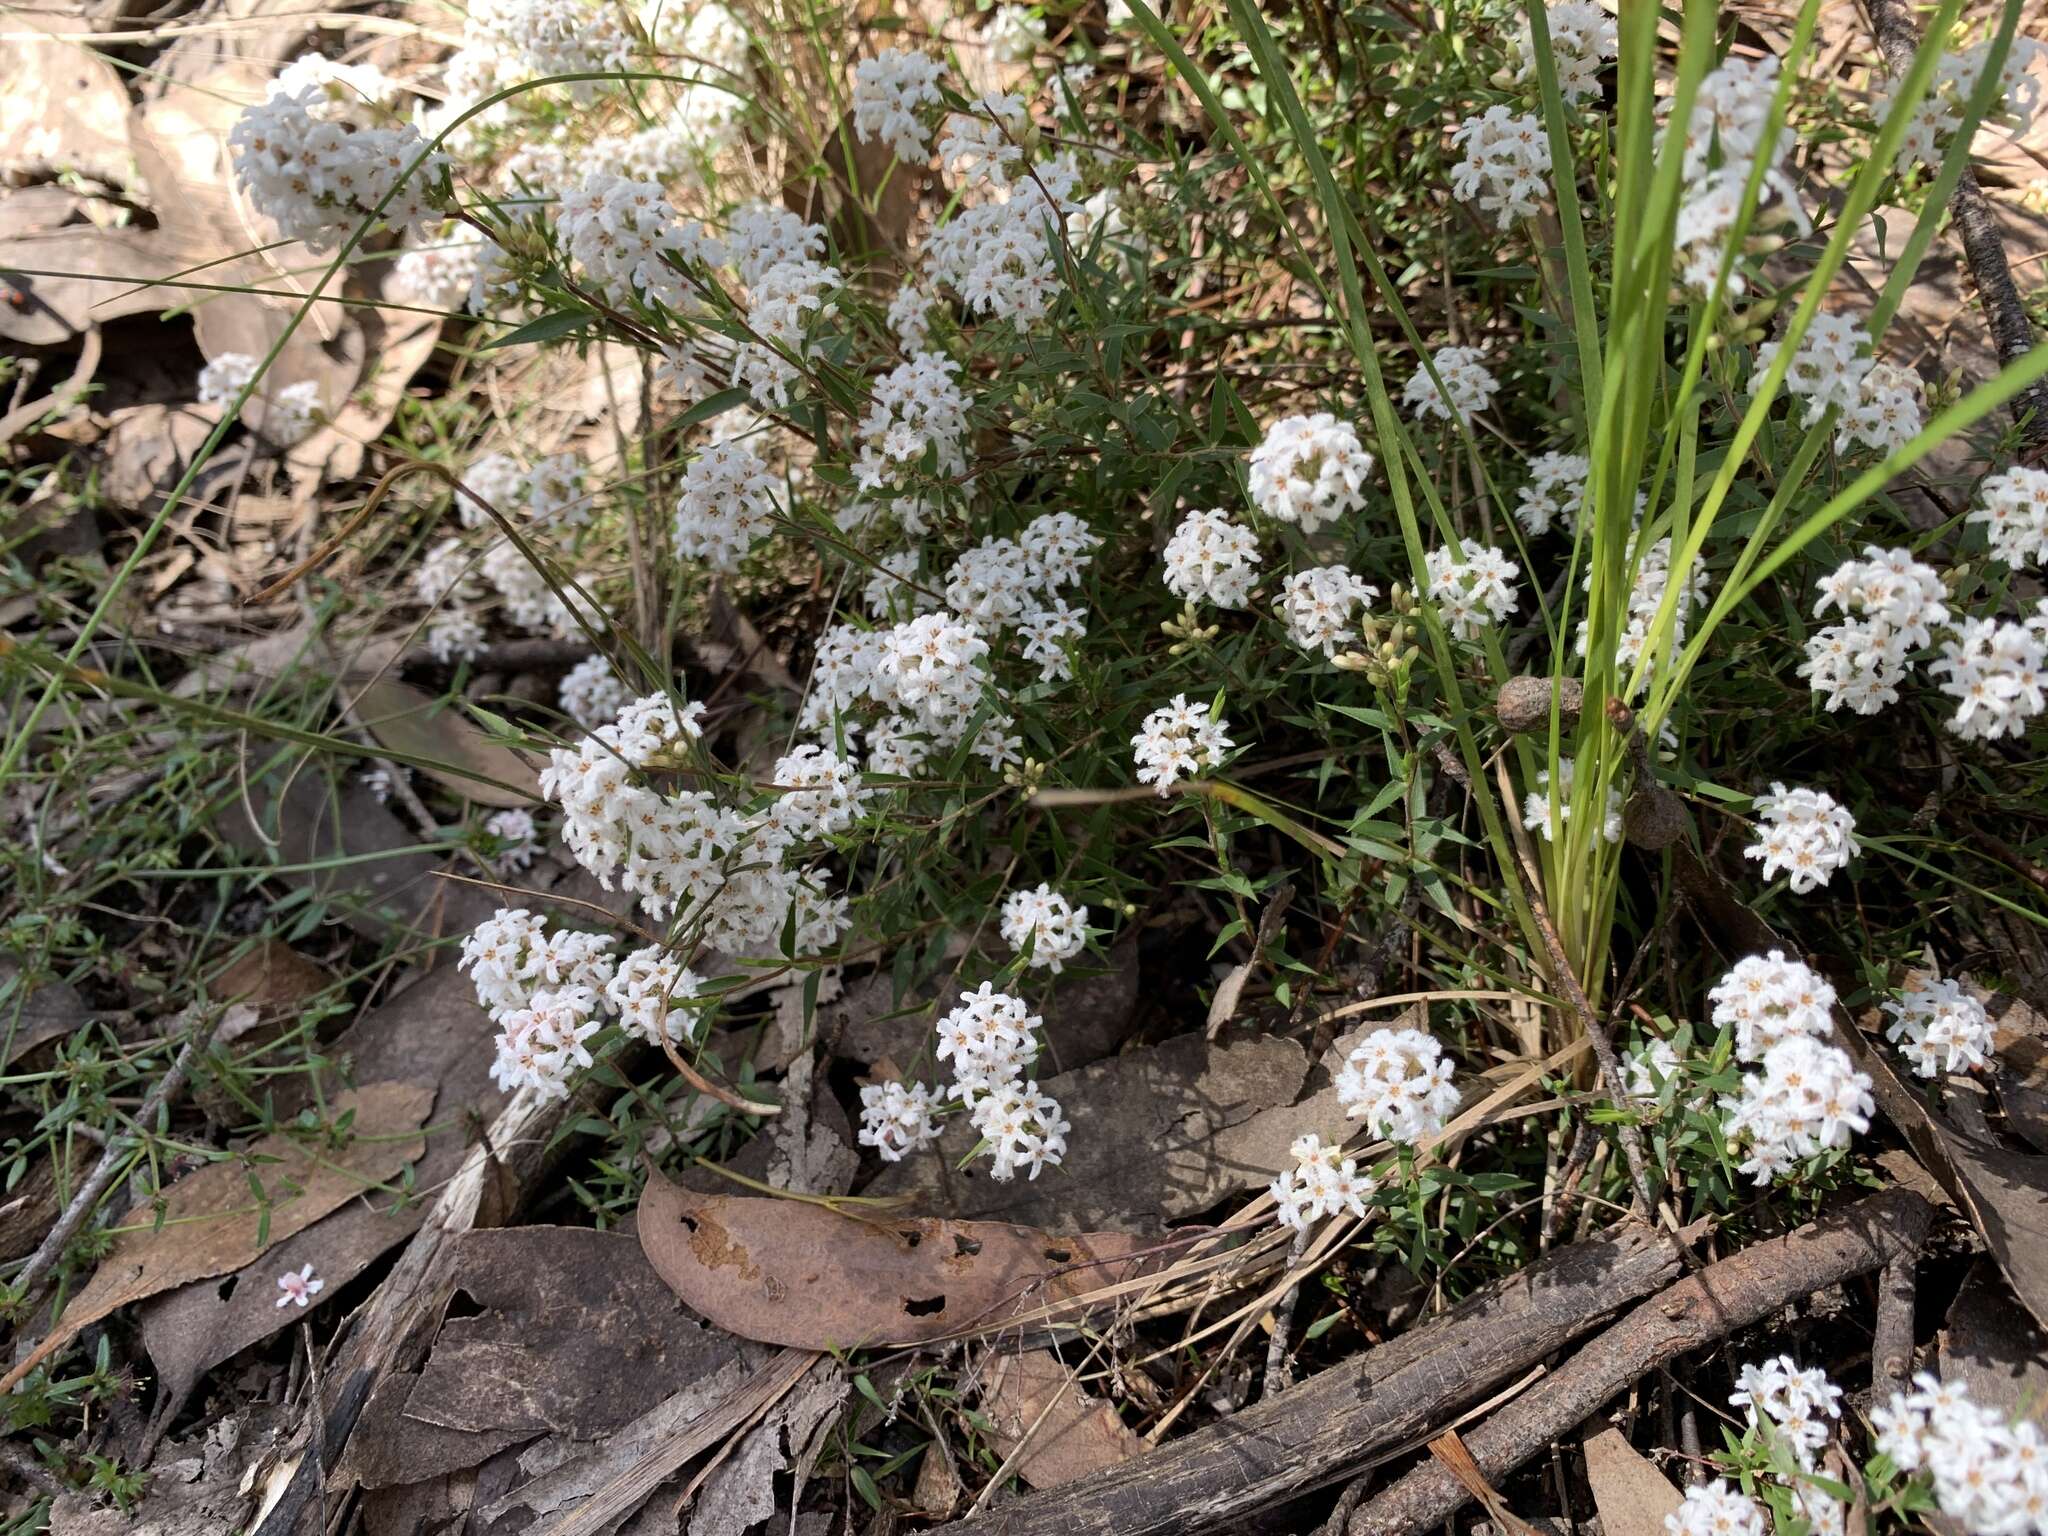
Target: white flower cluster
x: 1798, y: 1403
x: 1767, y: 999
x: 319, y: 176
x: 1054, y: 928
x: 888, y: 90
x: 1805, y: 835
x: 727, y: 502
x: 1939, y: 113
x: 1211, y: 559
x: 1322, y: 1182
x: 1717, y: 1509
x: 591, y: 692
x: 1880, y: 404
x: 1556, y: 493
x: 1549, y: 805
x: 1998, y: 674
x: 930, y: 674
x: 1989, y: 1475
x: 1722, y: 137
x: 820, y: 792
x: 992, y: 1040
x: 515, y: 830
x: 913, y: 410
x: 1317, y: 606
x: 684, y: 849
x: 1468, y: 385
x: 544, y: 991
x: 651, y: 992
x: 289, y: 413
x: 1178, y: 741
x: 784, y: 305
x: 1506, y: 166
x: 1891, y: 605
x: 1809, y: 1097
x: 1938, y: 1027
x: 896, y: 1118
x: 1582, y: 38
x: 1309, y: 470
x: 997, y: 252
x: 625, y: 236
x: 2014, y: 510
x: 1473, y: 587
x: 1399, y: 1082
x: 553, y: 37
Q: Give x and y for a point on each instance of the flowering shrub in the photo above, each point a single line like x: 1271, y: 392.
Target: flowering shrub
x: 1025, y: 578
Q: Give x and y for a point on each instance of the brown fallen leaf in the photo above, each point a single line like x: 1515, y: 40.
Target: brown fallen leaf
x: 1046, y: 1429
x: 412, y: 721
x: 791, y: 1272
x: 1632, y: 1495
x: 211, y: 1220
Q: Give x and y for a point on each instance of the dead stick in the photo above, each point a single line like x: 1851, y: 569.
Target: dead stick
x: 1891, y: 1342
x: 1283, y: 1323
x: 2011, y: 331
x: 1339, y: 1421
x: 1700, y: 1310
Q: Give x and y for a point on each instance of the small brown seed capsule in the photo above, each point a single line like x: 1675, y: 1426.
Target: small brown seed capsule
x: 1523, y: 703
x: 1654, y: 818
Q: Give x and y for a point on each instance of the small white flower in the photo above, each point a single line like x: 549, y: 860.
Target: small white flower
x: 297, y: 1289
x: 1473, y: 587
x: 1309, y: 470
x: 1400, y: 1083
x: 1803, y: 834
x: 1938, y: 1027
x: 1468, y: 385
x: 1054, y: 928
x: 1178, y: 741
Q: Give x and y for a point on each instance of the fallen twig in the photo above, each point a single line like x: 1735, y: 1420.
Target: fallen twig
x: 1699, y: 1310
x: 1338, y: 1422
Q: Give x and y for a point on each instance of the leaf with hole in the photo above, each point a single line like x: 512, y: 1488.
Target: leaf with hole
x: 793, y: 1272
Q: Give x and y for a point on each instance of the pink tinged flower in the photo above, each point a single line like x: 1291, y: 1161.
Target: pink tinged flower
x: 298, y: 1288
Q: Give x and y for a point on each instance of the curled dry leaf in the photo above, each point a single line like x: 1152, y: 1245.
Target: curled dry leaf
x: 795, y: 1273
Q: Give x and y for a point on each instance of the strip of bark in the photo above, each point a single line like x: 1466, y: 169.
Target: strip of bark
x: 1334, y: 1424
x: 2011, y: 331
x: 1701, y: 1309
